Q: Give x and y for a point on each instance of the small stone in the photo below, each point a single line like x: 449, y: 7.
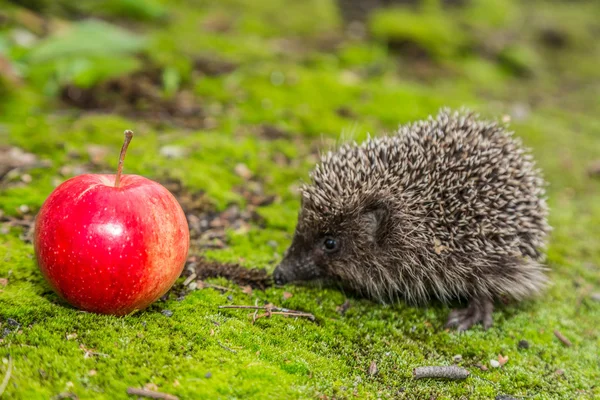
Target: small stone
x: 243, y: 171
x: 12, y: 323
x: 457, y: 358
x: 193, y: 286
x: 230, y: 298
x: 208, y: 375
x: 494, y: 363
x: 172, y: 151
x: 24, y: 208
x: 167, y: 313
x: 523, y: 344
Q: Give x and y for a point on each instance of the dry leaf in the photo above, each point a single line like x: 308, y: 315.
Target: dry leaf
x: 3, y: 281
x: 71, y: 336
x: 372, y: 369
x: 247, y: 290
x: 502, y: 359
x: 287, y: 295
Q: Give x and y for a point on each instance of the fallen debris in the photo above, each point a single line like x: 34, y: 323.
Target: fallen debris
x: 238, y: 274
x: 502, y: 359
x: 442, y: 372
x: 226, y: 348
x: 343, y: 308
x: 562, y: 338
x: 150, y: 394
x: 189, y: 279
x: 88, y: 353
x: 372, y: 369
x: 7, y: 376
x: 594, y: 169
x: 271, y: 310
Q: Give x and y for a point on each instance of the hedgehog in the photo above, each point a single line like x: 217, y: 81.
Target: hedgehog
x: 450, y: 208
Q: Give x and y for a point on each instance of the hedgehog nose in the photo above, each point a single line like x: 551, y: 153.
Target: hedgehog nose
x: 278, y: 277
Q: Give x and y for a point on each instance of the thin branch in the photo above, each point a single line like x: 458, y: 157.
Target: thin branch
x: 4, y: 384
x: 150, y: 394
x: 443, y: 372
x: 226, y: 348
x: 562, y: 338
x: 272, y: 310
x: 189, y: 279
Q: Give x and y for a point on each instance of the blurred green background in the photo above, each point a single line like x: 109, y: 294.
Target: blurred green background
x: 231, y: 102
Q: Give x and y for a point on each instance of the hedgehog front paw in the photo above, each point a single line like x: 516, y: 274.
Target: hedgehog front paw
x: 478, y: 310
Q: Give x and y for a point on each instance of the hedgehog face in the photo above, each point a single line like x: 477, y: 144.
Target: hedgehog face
x: 330, y: 246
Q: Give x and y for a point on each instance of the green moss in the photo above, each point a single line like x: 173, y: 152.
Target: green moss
x: 431, y: 29
x: 316, y: 97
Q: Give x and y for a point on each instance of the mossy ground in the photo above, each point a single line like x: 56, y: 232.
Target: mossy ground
x: 298, y: 71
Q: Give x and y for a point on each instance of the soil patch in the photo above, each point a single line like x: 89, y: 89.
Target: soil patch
x: 139, y: 95
x: 238, y: 274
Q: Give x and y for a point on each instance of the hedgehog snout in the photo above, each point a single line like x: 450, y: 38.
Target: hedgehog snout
x: 279, y: 276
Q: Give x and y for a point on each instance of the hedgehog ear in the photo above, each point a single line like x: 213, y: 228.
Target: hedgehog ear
x: 375, y: 220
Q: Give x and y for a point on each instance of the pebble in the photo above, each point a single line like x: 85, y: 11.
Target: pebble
x: 167, y: 313
x: 208, y: 375
x: 494, y: 363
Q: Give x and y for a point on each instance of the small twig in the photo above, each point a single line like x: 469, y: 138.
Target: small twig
x: 189, y: 279
x: 150, y: 394
x: 272, y: 310
x: 562, y: 338
x: 226, y: 348
x: 7, y: 376
x: 444, y: 372
x: 298, y: 314
x: 213, y: 286
x: 255, y: 311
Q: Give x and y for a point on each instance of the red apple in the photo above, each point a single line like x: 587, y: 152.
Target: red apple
x: 111, y: 244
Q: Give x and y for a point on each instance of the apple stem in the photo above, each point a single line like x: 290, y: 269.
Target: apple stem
x: 128, y: 137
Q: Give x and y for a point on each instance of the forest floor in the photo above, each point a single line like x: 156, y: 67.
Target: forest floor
x: 231, y: 102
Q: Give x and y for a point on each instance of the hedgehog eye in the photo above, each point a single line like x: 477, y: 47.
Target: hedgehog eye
x: 330, y: 244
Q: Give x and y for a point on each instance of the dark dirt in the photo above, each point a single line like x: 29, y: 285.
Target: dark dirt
x: 213, y: 66
x: 238, y: 274
x: 207, y: 226
x: 139, y: 95
x: 359, y: 10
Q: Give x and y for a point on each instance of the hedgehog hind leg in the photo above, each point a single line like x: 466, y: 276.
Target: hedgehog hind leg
x: 479, y: 310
